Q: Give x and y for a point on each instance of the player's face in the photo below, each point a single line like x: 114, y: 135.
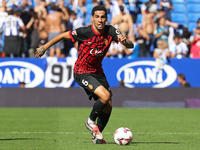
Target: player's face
x: 99, y: 20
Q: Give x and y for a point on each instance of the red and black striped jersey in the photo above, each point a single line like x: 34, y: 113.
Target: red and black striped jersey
x: 92, y: 48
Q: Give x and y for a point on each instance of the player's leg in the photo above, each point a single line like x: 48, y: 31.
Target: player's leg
x: 102, y: 96
x: 93, y: 89
x: 103, y: 118
x: 101, y: 103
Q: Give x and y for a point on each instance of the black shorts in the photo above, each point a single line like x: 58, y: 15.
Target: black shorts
x: 15, y: 47
x: 90, y: 82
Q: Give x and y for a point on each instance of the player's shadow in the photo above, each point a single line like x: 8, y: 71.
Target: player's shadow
x: 149, y: 143
x: 10, y: 139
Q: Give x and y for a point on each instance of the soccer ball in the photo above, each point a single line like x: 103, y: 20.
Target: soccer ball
x: 123, y: 136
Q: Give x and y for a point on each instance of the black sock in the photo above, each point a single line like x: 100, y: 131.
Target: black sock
x: 97, y: 109
x: 102, y: 121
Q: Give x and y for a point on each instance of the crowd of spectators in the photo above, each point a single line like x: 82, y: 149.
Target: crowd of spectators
x: 28, y: 24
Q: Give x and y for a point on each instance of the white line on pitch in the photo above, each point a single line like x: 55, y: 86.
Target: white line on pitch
x: 148, y: 133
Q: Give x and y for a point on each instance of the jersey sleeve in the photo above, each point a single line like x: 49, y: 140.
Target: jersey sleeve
x: 20, y: 22
x: 114, y: 32
x: 77, y: 34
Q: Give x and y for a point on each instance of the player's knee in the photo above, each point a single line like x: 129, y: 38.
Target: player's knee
x: 106, y: 97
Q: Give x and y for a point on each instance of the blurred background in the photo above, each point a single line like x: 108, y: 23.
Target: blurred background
x: 162, y: 70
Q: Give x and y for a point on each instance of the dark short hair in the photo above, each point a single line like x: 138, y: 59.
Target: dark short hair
x: 53, y: 7
x: 161, y: 9
x: 22, y: 82
x: 121, y: 8
x: 99, y: 8
x: 176, y: 36
x: 94, y: 1
x: 198, y: 20
x: 73, y: 13
x: 182, y: 76
x: 10, y: 12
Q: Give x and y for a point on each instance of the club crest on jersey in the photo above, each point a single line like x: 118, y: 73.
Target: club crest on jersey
x: 74, y: 32
x: 90, y: 86
x: 106, y: 41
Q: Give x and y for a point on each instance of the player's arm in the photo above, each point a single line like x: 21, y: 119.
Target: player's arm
x: 41, y: 50
x: 124, y: 41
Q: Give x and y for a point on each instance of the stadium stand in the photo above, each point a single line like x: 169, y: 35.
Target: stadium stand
x: 192, y: 26
x: 143, y: 1
x: 193, y: 17
x: 192, y: 1
x: 139, y: 18
x: 178, y: 1
x: 179, y: 8
x: 193, y: 8
x: 178, y: 17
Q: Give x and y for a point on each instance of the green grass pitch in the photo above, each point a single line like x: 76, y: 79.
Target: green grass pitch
x: 63, y: 129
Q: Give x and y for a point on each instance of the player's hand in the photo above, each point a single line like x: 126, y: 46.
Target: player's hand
x: 40, y: 52
x: 122, y: 39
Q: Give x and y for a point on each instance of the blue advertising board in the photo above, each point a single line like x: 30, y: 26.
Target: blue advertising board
x: 143, y: 72
x: 53, y: 72
x: 30, y: 71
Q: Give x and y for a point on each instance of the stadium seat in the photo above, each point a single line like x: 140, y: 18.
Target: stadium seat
x: 178, y: 8
x: 178, y: 17
x: 192, y: 1
x: 193, y: 7
x: 126, y: 1
x: 139, y: 18
x: 192, y: 26
x: 132, y: 8
x: 178, y: 1
x: 89, y: 2
x: 193, y: 17
x: 143, y: 1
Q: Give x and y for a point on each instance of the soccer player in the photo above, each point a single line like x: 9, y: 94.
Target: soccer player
x: 93, y: 43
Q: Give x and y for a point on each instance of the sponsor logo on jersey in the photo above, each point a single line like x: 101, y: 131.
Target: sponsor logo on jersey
x: 96, y: 52
x: 74, y: 32
x: 13, y: 72
x: 118, y: 32
x: 142, y: 73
